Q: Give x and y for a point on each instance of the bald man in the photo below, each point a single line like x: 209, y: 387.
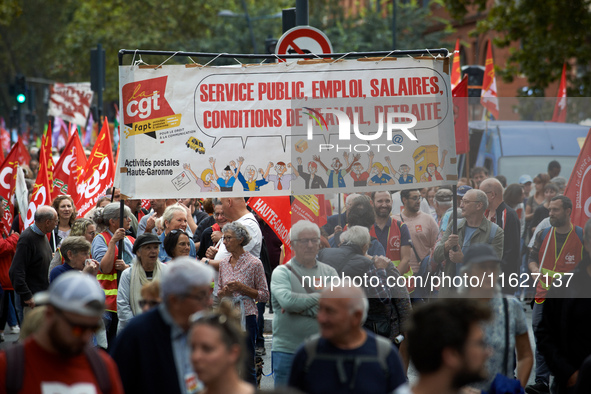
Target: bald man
x: 346, y: 358
x: 30, y: 264
x: 505, y: 217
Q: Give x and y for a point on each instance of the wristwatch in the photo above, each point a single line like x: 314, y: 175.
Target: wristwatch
x: 206, y: 261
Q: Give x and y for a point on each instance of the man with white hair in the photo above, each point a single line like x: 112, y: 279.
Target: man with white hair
x: 346, y: 358
x: 295, y: 299
x: 30, y: 264
x: 152, y: 352
x: 474, y: 228
x: 335, y: 223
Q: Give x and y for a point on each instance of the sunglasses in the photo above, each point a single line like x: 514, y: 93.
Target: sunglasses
x: 149, y: 303
x: 78, y: 329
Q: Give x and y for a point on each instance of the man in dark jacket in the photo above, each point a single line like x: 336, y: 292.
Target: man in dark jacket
x: 506, y: 218
x: 152, y: 352
x: 30, y: 264
x: 563, y: 333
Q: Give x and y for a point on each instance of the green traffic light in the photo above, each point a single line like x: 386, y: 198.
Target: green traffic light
x: 21, y: 98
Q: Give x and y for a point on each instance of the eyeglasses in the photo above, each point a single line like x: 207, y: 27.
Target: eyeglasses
x: 177, y: 231
x: 77, y: 328
x: 308, y: 240
x: 467, y: 201
x: 203, y: 296
x: 228, y: 237
x: 150, y: 303
x: 415, y: 198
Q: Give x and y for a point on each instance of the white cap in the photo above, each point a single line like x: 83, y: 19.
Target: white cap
x: 74, y: 292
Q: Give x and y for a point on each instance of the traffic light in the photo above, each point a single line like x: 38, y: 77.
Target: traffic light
x: 20, y: 88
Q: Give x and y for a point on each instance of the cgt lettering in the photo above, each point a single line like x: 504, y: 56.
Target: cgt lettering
x: 143, y: 107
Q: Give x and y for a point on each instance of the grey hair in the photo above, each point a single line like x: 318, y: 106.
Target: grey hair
x: 239, y: 230
x: 45, y: 212
x: 560, y: 182
x: 110, y: 211
x: 356, y: 235
x: 443, y: 204
x: 170, y: 211
x: 183, y: 274
x: 300, y: 226
x: 480, y: 197
x: 75, y: 244
x: 356, y: 296
x: 360, y: 304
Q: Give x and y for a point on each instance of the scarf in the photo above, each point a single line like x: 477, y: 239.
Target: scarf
x: 138, y: 279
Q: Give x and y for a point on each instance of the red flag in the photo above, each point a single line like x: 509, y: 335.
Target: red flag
x: 4, y: 141
x: 68, y: 169
x: 98, y: 174
x: 41, y: 191
x: 460, y: 100
x: 22, y: 154
x: 309, y: 207
x: 488, y: 97
x: 560, y: 108
x: 275, y: 211
x: 456, y: 72
x: 578, y: 188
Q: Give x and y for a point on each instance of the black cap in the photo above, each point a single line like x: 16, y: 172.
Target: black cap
x: 145, y: 239
x: 480, y: 253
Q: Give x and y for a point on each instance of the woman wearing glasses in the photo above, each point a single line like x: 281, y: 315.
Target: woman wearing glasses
x: 242, y: 278
x: 217, y: 350
x: 174, y: 218
x: 177, y: 243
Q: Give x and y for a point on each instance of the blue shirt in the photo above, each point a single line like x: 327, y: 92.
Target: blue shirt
x: 57, y: 271
x: 385, y: 178
x: 181, y: 350
x: 409, y: 179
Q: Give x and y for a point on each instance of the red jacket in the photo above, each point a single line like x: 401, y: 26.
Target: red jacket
x: 7, y: 248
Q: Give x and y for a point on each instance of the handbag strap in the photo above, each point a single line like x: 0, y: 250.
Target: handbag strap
x: 506, y: 354
x: 411, y: 243
x: 308, y: 289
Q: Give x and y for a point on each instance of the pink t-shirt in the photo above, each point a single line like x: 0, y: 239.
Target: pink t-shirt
x: 423, y: 232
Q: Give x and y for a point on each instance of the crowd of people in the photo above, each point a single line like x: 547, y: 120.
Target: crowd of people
x: 171, y: 299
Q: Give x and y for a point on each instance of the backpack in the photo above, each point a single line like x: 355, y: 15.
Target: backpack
x: 15, y: 368
x: 383, y: 345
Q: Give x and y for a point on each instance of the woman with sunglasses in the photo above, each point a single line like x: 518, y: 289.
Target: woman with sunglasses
x: 177, y: 243
x: 242, y: 278
x: 217, y: 350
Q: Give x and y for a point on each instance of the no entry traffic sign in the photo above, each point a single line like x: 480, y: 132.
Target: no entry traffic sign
x: 302, y: 40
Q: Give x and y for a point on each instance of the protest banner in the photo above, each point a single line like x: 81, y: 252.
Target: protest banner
x: 240, y: 131
x: 70, y: 102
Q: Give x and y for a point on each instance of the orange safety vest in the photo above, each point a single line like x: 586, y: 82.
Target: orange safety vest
x: 556, y: 264
x: 108, y: 280
x: 393, y: 249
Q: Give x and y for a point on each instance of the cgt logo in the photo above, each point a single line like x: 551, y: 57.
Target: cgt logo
x: 144, y: 102
x: 344, y: 121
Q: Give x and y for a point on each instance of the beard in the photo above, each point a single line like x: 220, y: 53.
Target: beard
x: 557, y: 222
x: 467, y: 376
x: 64, y: 348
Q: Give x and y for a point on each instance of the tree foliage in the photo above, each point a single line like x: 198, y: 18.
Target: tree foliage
x: 52, y: 39
x: 549, y: 33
